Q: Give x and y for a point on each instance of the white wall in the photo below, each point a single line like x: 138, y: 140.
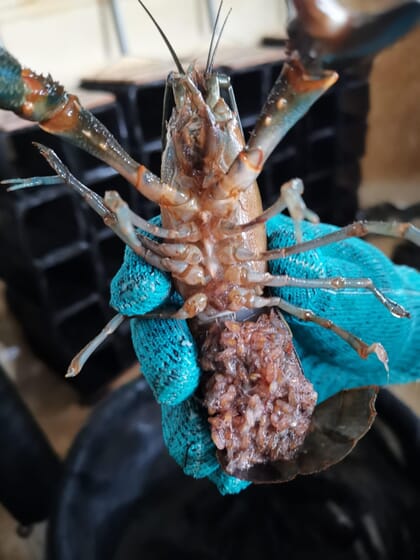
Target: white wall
x: 71, y: 38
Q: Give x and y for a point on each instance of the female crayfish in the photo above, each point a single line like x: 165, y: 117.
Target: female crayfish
x: 261, y: 407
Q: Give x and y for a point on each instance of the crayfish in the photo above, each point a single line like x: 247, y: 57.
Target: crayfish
x: 212, y: 241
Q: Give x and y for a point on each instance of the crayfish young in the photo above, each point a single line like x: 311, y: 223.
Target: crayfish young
x: 262, y: 410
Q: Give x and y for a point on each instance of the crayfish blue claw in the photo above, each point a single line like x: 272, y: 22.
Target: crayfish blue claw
x: 12, y: 87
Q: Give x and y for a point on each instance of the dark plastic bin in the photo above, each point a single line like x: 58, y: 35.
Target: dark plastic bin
x: 123, y: 498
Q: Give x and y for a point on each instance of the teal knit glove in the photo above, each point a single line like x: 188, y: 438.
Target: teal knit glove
x: 168, y: 356
x: 167, y: 353
x: 328, y: 361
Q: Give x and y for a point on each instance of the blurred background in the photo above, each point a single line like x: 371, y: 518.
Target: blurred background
x: 358, y: 150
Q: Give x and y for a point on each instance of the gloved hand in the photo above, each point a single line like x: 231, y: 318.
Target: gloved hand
x: 168, y: 356
x: 328, y: 361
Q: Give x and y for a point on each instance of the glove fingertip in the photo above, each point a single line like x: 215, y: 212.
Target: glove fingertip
x: 227, y: 484
x: 187, y: 437
x: 137, y: 287
x: 168, y: 358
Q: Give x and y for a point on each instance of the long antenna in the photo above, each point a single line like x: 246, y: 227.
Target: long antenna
x: 218, y: 40
x: 213, y: 34
x: 165, y: 38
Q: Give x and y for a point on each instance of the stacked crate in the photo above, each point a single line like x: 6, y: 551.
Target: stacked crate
x: 57, y: 257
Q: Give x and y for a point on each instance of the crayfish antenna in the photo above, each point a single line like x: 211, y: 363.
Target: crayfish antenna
x: 209, y: 66
x: 213, y: 35
x: 165, y: 38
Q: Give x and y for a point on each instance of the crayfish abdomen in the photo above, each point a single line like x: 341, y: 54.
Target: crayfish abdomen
x: 260, y: 404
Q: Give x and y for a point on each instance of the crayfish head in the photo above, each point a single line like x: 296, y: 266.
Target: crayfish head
x: 203, y: 134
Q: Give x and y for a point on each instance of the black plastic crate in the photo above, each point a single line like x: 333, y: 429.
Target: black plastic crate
x: 149, y: 102
x: 110, y: 252
x: 38, y: 232
x: 249, y: 87
x: 321, y: 150
x: 354, y: 99
x: 351, y: 138
x: 57, y: 257
x: 26, y: 159
x: 53, y: 222
x: 56, y: 338
x: 284, y: 166
x: 152, y: 159
x: 70, y: 279
x: 325, y: 111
